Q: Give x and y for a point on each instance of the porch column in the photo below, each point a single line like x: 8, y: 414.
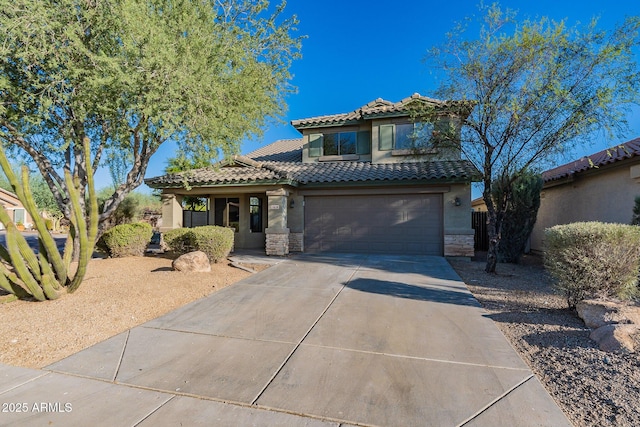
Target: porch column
x: 277, y: 232
x: 171, y: 212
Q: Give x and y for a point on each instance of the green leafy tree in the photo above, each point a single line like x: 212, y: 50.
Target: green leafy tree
x: 131, y: 75
x: 79, y: 80
x: 534, y: 90
x: 131, y: 209
x: 519, y: 199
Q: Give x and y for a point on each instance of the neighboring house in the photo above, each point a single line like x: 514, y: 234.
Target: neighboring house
x: 478, y: 205
x: 600, y: 187
x: 14, y: 208
x: 352, y: 183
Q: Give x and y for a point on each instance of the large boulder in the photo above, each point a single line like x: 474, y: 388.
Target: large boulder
x: 597, y: 313
x: 617, y: 338
x: 193, y: 261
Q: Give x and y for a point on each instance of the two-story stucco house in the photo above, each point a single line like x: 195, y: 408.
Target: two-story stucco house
x: 354, y: 182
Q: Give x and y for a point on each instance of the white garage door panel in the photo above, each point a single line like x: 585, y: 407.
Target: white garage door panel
x: 402, y: 224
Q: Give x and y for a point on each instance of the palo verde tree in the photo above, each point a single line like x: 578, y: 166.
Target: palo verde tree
x: 131, y: 75
x: 535, y: 89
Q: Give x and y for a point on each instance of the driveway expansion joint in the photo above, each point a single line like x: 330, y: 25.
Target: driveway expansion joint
x: 277, y: 371
x: 494, y: 401
x: 426, y: 359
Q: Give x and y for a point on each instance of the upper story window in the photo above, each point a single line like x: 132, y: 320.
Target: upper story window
x: 405, y: 136
x: 339, y: 144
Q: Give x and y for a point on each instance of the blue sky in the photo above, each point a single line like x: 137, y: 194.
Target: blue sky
x: 357, y: 51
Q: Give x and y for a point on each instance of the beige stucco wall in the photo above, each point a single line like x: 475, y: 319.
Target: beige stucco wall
x: 605, y: 194
x: 458, y: 234
x: 171, y: 212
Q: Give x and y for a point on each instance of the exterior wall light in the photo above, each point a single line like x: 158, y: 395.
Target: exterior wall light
x: 456, y: 201
x: 291, y: 204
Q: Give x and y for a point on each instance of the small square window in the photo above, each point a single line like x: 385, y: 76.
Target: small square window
x: 413, y: 135
x: 339, y: 144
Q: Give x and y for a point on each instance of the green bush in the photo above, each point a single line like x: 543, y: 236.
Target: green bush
x: 214, y: 241
x: 593, y: 260
x: 126, y: 240
x: 521, y: 199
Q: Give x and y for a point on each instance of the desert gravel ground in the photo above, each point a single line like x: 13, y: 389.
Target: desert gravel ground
x: 116, y: 294
x: 592, y: 387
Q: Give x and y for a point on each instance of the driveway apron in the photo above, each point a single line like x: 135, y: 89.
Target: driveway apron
x: 333, y: 339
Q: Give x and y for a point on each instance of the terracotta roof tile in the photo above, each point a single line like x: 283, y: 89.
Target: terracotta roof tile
x: 327, y: 172
x: 611, y: 155
x: 214, y: 176
x: 321, y: 173
x: 378, y: 107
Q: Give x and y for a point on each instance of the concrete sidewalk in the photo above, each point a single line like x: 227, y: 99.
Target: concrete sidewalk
x: 312, y: 341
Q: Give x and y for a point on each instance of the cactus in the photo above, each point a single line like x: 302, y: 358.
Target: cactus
x: 43, y: 276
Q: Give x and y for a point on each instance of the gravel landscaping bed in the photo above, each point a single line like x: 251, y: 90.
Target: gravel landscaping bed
x: 592, y: 387
x: 116, y: 294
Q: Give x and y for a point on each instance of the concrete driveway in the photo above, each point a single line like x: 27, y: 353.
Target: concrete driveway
x: 312, y: 341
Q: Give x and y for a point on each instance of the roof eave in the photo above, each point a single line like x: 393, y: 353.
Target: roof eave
x: 180, y: 185
x: 387, y: 182
x: 337, y: 123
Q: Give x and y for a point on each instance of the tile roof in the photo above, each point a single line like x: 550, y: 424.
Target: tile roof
x: 214, y: 176
x: 284, y: 150
x: 341, y: 172
x: 376, y: 108
x: 611, y: 155
x: 320, y: 173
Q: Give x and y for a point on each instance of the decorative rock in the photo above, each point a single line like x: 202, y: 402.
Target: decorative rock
x: 597, y: 313
x: 193, y: 261
x: 616, y: 338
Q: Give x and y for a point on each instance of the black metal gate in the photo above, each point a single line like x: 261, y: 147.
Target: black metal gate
x: 479, y: 224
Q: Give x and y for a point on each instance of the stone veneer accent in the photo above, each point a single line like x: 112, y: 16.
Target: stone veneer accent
x: 296, y: 242
x: 459, y: 245
x: 277, y: 244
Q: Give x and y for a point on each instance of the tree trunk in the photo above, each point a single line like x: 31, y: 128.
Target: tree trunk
x: 492, y: 256
x: 493, y: 228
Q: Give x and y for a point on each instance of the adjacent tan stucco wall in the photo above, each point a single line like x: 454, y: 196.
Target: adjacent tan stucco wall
x: 605, y: 194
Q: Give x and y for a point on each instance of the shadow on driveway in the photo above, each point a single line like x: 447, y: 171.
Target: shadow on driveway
x: 404, y: 290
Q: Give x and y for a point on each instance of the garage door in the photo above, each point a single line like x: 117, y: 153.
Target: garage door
x: 393, y: 224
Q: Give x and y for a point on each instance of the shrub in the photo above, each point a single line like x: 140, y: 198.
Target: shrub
x: 521, y: 199
x: 214, y: 241
x: 177, y: 240
x: 593, y: 260
x: 126, y: 240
